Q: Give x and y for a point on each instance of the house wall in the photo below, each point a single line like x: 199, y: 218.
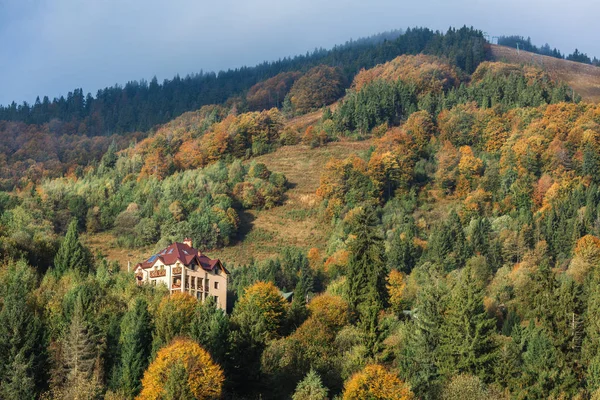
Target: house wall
x: 199, y: 283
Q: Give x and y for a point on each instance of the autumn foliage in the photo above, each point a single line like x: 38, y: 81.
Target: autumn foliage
x: 375, y: 382
x: 271, y: 92
x: 320, y: 86
x: 203, y: 377
x: 428, y: 73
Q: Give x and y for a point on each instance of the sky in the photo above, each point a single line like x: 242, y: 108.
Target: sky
x: 50, y: 47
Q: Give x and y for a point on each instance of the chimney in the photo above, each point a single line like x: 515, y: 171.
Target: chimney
x: 188, y: 241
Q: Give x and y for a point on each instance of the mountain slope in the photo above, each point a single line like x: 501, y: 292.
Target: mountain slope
x: 583, y: 78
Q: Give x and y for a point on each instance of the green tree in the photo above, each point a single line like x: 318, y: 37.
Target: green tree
x: 367, y: 272
x: 210, y: 328
x: 467, y: 342
x: 173, y: 318
x: 367, y: 276
x: 543, y: 373
x: 419, y: 357
x: 257, y: 318
x: 448, y: 245
x: 135, y: 343
x: 22, y: 344
x: 310, y: 388
x: 72, y: 255
x: 80, y: 356
x: 176, y: 386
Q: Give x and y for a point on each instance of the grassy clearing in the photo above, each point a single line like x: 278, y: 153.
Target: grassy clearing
x: 295, y: 223
x: 264, y: 233
x: 583, y: 78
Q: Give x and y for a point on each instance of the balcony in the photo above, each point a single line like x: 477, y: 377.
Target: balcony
x: 158, y: 273
x: 177, y: 271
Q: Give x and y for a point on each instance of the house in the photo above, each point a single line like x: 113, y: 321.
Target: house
x: 182, y: 268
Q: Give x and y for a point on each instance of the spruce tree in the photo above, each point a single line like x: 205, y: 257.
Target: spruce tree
x: 210, y: 328
x: 22, y: 344
x: 310, y: 388
x: 403, y: 254
x: 419, y: 358
x: 467, y: 342
x: 136, y: 345
x: 367, y: 270
x: 72, y: 255
x: 80, y: 356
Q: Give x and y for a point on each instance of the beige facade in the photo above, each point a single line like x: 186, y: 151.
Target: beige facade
x: 191, y: 279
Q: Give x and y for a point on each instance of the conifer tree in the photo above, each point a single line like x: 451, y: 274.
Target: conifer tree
x: 367, y: 270
x: 544, y: 373
x: 403, y: 254
x: 310, y: 388
x: 136, y: 344
x: 367, y: 275
x: 72, y: 255
x: 80, y: 356
x: 448, y: 245
x: 210, y: 328
x: 467, y: 342
x: 22, y: 344
x: 419, y: 358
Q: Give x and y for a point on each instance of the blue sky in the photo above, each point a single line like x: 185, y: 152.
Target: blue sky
x: 49, y: 47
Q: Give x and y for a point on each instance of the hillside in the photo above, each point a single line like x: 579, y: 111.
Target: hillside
x: 436, y: 218
x: 583, y: 78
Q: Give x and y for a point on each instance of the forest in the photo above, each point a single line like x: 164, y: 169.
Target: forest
x: 520, y: 42
x: 462, y: 260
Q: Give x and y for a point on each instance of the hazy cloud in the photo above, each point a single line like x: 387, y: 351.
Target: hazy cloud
x: 52, y: 46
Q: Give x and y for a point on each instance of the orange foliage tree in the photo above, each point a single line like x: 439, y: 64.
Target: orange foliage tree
x: 270, y: 93
x: 320, y: 86
x: 376, y: 383
x: 429, y: 73
x: 204, y: 378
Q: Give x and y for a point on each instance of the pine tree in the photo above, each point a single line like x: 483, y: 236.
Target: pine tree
x: 448, y: 245
x: 210, y: 328
x: 80, y: 355
x: 367, y: 275
x: 403, y: 254
x: 72, y: 255
x: 136, y: 344
x: 18, y: 384
x: 367, y: 270
x: 467, y: 342
x: 419, y: 358
x: 310, y: 388
x: 22, y: 344
x: 544, y: 373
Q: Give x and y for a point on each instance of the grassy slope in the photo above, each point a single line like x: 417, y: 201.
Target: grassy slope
x: 295, y: 223
x: 264, y: 233
x: 583, y: 78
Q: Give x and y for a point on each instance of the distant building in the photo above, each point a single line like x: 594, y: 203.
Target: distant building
x: 183, y: 268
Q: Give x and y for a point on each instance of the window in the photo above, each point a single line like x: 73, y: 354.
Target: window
x: 216, y: 285
x: 217, y: 299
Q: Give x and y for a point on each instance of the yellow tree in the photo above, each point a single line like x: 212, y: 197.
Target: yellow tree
x: 374, y: 382
x: 173, y: 318
x: 395, y: 286
x: 587, y: 256
x: 200, y: 376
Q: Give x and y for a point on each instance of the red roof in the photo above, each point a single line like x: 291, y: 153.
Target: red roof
x: 185, y: 254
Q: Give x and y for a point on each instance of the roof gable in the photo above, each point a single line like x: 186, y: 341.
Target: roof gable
x: 183, y: 253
